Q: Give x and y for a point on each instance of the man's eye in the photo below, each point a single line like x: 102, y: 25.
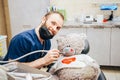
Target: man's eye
x: 53, y: 23
x: 58, y: 28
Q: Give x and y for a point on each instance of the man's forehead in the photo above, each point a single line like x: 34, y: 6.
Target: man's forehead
x: 54, y: 15
x: 57, y: 18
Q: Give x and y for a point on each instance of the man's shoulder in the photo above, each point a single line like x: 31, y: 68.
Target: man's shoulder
x: 27, y: 33
x: 24, y: 34
x: 23, y: 37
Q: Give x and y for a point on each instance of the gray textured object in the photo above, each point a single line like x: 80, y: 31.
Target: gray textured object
x: 87, y: 73
x: 82, y: 68
x: 3, y: 74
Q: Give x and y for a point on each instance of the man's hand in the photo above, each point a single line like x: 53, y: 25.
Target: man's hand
x: 51, y: 56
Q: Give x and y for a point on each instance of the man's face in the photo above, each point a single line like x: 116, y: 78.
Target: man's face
x: 54, y: 23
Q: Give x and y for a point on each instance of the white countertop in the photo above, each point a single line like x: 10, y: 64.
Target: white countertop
x: 92, y: 24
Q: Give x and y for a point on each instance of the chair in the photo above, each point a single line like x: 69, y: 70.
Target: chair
x: 85, y: 51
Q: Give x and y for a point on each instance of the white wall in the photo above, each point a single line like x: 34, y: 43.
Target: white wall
x: 75, y: 8
x: 26, y: 14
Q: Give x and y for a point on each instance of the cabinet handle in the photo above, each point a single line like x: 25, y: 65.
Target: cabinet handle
x: 100, y: 27
x: 1, y: 53
x: 1, y: 49
x: 0, y: 44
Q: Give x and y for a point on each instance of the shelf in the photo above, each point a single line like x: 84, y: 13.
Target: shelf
x: 105, y: 3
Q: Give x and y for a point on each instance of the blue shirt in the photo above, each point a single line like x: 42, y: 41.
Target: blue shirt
x: 24, y: 43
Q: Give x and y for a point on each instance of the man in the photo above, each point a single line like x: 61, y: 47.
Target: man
x: 37, y: 39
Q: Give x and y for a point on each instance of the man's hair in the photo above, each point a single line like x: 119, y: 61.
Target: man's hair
x: 54, y: 12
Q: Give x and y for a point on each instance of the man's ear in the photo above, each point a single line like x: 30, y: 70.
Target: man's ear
x: 43, y: 20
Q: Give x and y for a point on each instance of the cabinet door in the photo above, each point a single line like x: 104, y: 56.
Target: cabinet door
x: 65, y: 31
x: 99, y: 39
x: 115, y: 47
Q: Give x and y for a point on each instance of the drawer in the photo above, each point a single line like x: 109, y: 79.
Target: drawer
x: 3, y: 46
x: 0, y: 44
x: 1, y: 53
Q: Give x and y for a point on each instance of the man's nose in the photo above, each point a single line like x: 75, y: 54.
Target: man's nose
x: 54, y: 28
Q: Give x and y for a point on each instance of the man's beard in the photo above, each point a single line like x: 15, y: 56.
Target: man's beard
x: 44, y: 33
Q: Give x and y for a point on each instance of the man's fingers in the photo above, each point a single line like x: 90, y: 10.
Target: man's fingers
x: 54, y: 56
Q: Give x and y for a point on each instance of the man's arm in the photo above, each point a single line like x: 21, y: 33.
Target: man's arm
x: 39, y: 63
x: 51, y: 56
